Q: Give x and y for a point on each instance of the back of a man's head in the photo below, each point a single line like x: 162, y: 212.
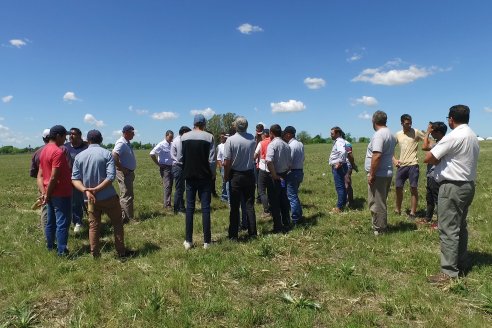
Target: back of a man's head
x: 94, y: 137
x: 460, y: 114
x: 241, y: 124
x: 276, y: 130
x: 379, y: 118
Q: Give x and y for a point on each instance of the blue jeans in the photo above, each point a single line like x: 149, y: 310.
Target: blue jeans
x: 225, y: 186
x: 201, y: 186
x: 77, y: 206
x: 293, y: 180
x: 179, y: 189
x: 59, y: 213
x: 339, y: 178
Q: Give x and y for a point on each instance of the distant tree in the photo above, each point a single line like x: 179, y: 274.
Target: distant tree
x: 147, y: 146
x: 136, y: 145
x: 221, y: 123
x: 349, y: 138
x: 364, y: 140
x: 109, y: 146
x: 304, y: 137
x: 318, y: 139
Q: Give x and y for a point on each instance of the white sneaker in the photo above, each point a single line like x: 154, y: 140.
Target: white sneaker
x: 206, y: 245
x: 77, y: 228
x: 187, y: 245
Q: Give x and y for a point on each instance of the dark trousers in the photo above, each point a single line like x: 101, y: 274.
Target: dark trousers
x: 279, y: 205
x: 431, y: 197
x: 264, y: 184
x: 242, y: 185
x: 201, y: 186
x: 179, y: 188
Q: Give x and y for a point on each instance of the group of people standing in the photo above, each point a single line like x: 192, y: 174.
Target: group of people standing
x: 271, y: 162
x: 452, y: 166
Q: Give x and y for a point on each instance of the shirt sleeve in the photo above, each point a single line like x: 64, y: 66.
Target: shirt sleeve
x: 258, y: 148
x: 270, y: 152
x: 110, y: 168
x: 211, y: 156
x: 377, y: 143
x: 155, y: 149
x: 442, y: 148
x: 117, y: 147
x: 76, y: 174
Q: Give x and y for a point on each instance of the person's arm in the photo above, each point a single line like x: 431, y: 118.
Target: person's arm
x: 271, y: 168
x: 55, y: 174
x: 117, y: 163
x: 431, y: 159
x: 227, y: 169
x: 154, y: 158
x: 427, y: 144
x: 375, y: 160
x: 351, y: 159
x: 87, y: 191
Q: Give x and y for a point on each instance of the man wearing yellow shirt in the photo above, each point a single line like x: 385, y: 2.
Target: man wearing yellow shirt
x: 408, y: 164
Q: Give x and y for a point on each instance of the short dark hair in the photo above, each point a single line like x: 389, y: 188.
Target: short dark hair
x: 276, y: 130
x: 183, y: 130
x: 460, y: 113
x: 439, y: 127
x: 337, y: 130
x: 76, y: 130
x: 259, y: 127
x: 169, y: 132
x: 94, y: 137
x: 379, y: 117
x: 405, y: 117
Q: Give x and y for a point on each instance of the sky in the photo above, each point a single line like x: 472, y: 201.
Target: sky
x: 102, y: 64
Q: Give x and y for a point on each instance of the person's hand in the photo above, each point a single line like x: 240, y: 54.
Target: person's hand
x: 90, y: 195
x: 397, y: 163
x: 429, y: 129
x: 355, y: 168
x: 370, y: 179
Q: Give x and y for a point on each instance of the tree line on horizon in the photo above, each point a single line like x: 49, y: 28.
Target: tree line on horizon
x: 217, y: 124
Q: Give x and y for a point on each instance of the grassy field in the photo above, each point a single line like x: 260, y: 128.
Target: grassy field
x: 330, y: 272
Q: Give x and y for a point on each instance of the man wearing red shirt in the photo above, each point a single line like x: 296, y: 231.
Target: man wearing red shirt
x: 55, y: 186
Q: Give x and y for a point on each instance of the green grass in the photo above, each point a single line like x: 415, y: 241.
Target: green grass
x: 330, y: 272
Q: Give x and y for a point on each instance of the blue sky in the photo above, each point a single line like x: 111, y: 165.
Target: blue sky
x: 310, y: 64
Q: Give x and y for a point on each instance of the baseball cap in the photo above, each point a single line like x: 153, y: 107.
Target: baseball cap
x: 58, y: 130
x: 290, y: 129
x: 46, y: 133
x: 199, y: 119
x: 127, y: 128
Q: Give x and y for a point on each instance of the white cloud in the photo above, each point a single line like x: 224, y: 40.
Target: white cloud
x: 248, y: 28
x: 207, y: 112
x: 386, y: 75
x: 287, y: 106
x: 164, y: 116
x: 7, y: 99
x: 70, y: 96
x: 138, y: 111
x: 314, y: 82
x: 17, y: 43
x: 488, y: 109
x: 354, y: 57
x: 9, y: 137
x: 90, y: 119
x: 366, y: 100
x: 116, y: 133
x: 365, y: 116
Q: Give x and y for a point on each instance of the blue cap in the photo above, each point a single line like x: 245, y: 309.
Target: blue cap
x: 127, y: 128
x: 58, y: 130
x: 199, y: 119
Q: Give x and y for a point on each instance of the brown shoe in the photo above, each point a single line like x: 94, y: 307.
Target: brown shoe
x: 440, y: 278
x: 336, y: 210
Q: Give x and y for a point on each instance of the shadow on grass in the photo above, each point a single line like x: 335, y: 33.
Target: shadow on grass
x: 147, y: 215
x: 478, y: 259
x: 310, y: 220
x: 358, y: 203
x: 401, y: 227
x: 147, y: 248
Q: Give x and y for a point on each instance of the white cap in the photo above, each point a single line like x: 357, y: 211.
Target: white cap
x: 46, y: 133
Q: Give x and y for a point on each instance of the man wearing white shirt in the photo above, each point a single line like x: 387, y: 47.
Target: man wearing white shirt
x: 161, y: 155
x: 455, y: 158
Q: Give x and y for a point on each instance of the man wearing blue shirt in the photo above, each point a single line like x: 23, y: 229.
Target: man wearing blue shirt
x: 93, y: 174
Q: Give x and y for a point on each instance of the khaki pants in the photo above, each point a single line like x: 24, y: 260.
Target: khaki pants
x: 112, y: 208
x: 125, y: 182
x: 452, y: 208
x: 377, y: 194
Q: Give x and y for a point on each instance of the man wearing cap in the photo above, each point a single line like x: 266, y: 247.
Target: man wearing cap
x: 93, y: 175
x: 296, y: 175
x: 177, y: 171
x: 379, y: 167
x: 125, y: 162
x: 264, y: 177
x: 55, y: 187
x: 455, y: 158
x: 279, y: 162
x: 74, y: 146
x: 239, y: 168
x: 437, y: 130
x: 224, y: 196
x: 161, y: 155
x: 33, y: 173
x: 407, y: 167
x: 339, y: 168
x: 198, y: 151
